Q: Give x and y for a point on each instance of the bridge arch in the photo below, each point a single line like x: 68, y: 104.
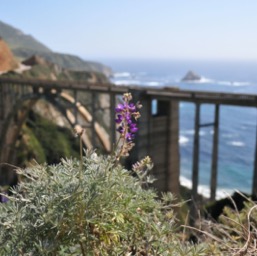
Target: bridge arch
x: 18, y: 115
x: 60, y: 100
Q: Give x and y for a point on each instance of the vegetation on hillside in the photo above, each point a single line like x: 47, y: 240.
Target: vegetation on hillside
x: 44, y: 141
x: 67, y: 61
x: 39, y: 68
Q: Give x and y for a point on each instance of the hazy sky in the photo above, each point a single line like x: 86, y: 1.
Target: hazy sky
x: 171, y: 29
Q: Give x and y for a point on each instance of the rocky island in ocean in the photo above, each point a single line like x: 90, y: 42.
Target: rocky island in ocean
x: 191, y: 76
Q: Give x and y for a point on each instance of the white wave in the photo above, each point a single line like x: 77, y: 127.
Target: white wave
x: 233, y: 83
x: 205, y: 80
x: 127, y: 82
x: 122, y: 74
x: 183, y: 140
x: 185, y: 182
x: 229, y: 83
x: 152, y: 83
x: 220, y: 193
x: 192, y: 132
x: 236, y: 143
x: 205, y: 190
x: 202, y: 80
x: 241, y: 83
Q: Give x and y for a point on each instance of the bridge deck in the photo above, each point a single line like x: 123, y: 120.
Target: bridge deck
x: 168, y: 93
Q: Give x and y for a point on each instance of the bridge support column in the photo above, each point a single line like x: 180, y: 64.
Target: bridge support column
x: 173, y: 167
x: 215, y: 154
x: 112, y: 118
x: 254, y: 184
x: 158, y: 137
x: 2, y: 114
x: 75, y: 109
x: 1, y: 102
x: 93, y: 119
x: 195, y: 171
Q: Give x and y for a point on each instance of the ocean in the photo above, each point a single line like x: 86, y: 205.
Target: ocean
x: 237, y: 124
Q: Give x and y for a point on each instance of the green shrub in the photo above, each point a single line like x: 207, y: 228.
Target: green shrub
x: 54, y: 212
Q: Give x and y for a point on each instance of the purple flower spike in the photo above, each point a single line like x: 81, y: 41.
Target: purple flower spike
x: 126, y: 116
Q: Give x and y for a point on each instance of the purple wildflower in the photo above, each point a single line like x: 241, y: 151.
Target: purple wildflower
x: 126, y: 117
x: 127, y: 114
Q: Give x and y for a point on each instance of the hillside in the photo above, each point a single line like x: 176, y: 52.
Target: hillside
x: 37, y: 67
x: 24, y: 46
x: 67, y: 61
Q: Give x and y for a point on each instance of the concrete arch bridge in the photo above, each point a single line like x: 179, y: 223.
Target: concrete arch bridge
x: 87, y: 105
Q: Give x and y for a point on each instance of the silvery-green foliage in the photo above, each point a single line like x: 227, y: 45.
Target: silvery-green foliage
x: 107, y: 212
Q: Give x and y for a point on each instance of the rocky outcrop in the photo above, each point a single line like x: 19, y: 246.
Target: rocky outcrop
x: 191, y: 76
x: 34, y: 60
x: 7, y: 60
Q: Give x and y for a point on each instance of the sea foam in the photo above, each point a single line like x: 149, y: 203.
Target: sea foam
x: 183, y: 140
x: 122, y: 74
x: 126, y: 82
x: 204, y: 190
x: 153, y: 83
x: 192, y: 132
x: 231, y: 83
x: 236, y: 143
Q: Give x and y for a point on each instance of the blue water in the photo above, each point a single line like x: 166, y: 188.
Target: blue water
x: 237, y: 124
